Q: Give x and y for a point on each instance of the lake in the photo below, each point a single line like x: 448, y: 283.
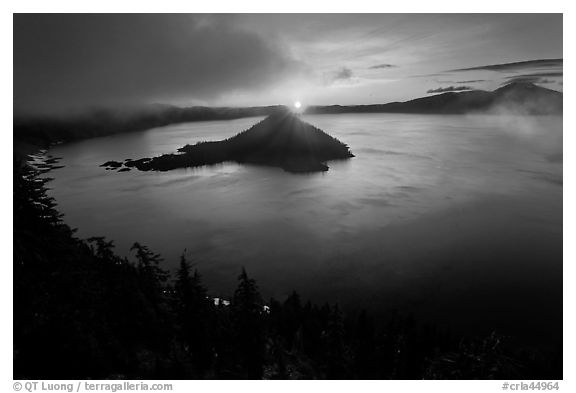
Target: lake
x: 456, y: 219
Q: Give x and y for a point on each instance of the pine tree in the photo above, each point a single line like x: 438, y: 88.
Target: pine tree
x: 148, y: 265
x: 195, y: 316
x: 247, y: 299
x: 247, y: 307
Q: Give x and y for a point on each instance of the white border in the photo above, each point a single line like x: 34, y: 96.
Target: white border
x: 243, y: 6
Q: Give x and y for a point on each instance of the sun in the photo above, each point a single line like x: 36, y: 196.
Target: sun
x: 297, y: 105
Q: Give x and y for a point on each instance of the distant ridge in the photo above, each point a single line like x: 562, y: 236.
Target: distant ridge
x: 40, y: 132
x: 518, y: 98
x: 47, y: 130
x: 282, y: 140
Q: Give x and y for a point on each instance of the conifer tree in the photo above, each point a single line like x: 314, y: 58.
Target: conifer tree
x: 247, y: 307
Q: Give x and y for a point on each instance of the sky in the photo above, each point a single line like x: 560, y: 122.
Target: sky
x: 71, y: 62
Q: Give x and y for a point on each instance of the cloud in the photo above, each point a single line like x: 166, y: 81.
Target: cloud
x: 516, y: 66
x: 538, y: 77
x: 255, y: 59
x: 427, y: 75
x: 531, y: 71
x: 449, y: 89
x: 472, y: 81
x: 343, y: 74
x: 461, y: 82
x: 381, y: 66
x: 75, y: 61
x: 522, y: 79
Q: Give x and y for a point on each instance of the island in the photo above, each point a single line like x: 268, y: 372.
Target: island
x: 282, y: 140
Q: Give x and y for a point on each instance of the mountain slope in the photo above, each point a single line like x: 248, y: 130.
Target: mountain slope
x: 528, y: 98
x: 519, y: 98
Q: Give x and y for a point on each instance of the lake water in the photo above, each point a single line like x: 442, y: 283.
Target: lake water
x: 453, y: 218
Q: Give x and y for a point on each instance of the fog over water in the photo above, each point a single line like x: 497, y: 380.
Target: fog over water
x: 456, y: 218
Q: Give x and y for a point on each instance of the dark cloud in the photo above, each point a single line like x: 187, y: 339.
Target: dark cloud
x: 427, y: 75
x: 538, y: 77
x: 472, y: 81
x: 516, y: 66
x: 381, y: 66
x: 74, y: 61
x: 460, y: 82
x: 343, y: 74
x: 522, y: 79
x: 449, y: 89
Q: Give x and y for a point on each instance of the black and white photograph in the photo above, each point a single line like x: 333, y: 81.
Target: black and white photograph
x: 279, y: 196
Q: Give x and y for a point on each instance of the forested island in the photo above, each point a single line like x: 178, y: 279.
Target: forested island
x: 281, y: 140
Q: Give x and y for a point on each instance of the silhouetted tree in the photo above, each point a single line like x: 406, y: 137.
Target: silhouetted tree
x: 148, y: 264
x: 248, y: 319
x: 336, y: 356
x: 195, y: 315
x: 101, y: 248
x: 364, y: 341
